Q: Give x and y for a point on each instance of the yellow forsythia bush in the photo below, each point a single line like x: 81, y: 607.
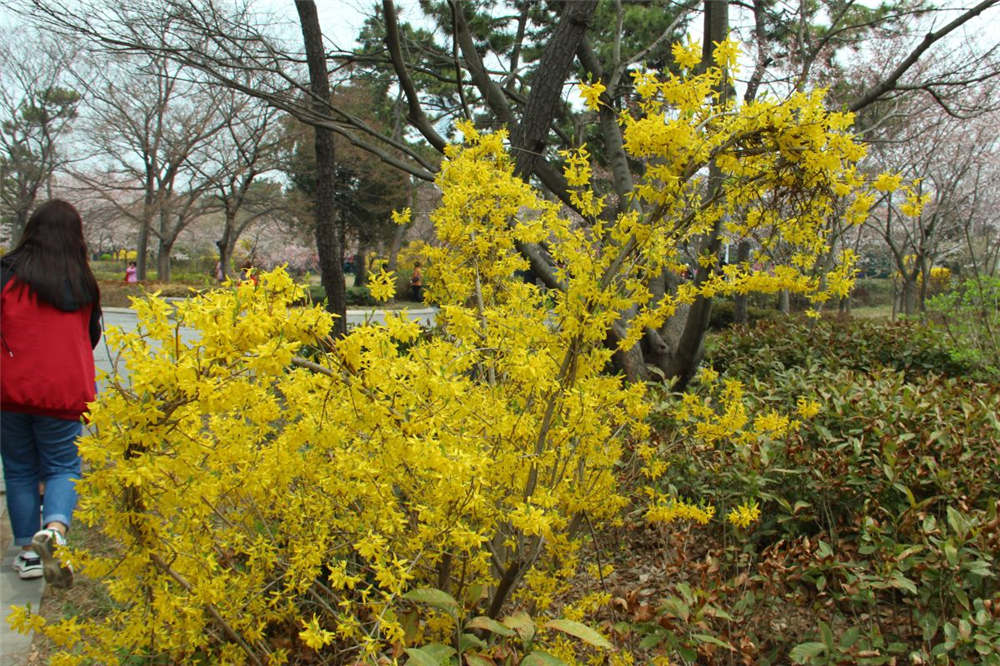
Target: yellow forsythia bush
x: 271, y: 491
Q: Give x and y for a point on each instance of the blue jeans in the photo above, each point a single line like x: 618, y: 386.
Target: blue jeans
x: 38, y: 448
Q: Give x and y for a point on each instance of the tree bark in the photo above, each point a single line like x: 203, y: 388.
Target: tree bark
x: 530, y: 137
x: 683, y: 363
x: 142, y: 240
x: 226, y: 245
x: 163, y: 260
x: 327, y: 244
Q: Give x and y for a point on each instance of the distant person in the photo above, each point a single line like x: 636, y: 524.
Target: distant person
x: 132, y: 272
x: 220, y: 275
x: 248, y: 273
x: 417, y: 283
x: 49, y: 324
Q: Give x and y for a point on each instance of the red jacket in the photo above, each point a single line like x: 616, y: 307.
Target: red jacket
x: 46, y: 355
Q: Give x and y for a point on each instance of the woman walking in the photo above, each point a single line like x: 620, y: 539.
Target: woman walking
x: 49, y: 324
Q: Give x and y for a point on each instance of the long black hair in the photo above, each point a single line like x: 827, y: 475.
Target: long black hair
x: 52, y: 258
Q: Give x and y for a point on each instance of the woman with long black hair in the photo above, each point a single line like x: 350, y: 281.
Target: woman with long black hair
x: 50, y: 312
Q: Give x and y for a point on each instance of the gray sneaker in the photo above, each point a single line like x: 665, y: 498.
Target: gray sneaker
x: 46, y: 542
x: 28, y: 565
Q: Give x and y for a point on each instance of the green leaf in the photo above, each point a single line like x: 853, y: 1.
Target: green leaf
x: 474, y: 660
x: 713, y: 640
x: 930, y: 523
x: 653, y: 639
x: 581, y: 631
x: 827, y: 634
x: 850, y: 637
x: 522, y: 623
x: 488, y: 624
x: 418, y: 658
x: 430, y: 655
x: 804, y: 652
x: 979, y: 568
x: 929, y: 625
x: 901, y: 582
x: 466, y: 641
x: 537, y: 658
x: 951, y: 553
x: 964, y: 629
x: 433, y: 597
x: 677, y: 608
x: 474, y: 593
x: 439, y: 651
x: 958, y: 523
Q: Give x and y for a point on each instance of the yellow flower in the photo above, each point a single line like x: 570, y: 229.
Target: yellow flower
x: 914, y: 205
x: 708, y: 375
x: 401, y: 216
x: 743, y: 515
x: 668, y: 510
x: 726, y: 54
x: 687, y: 55
x: 888, y: 182
x: 382, y: 285
x: 807, y: 408
x: 591, y: 94
x: 313, y: 635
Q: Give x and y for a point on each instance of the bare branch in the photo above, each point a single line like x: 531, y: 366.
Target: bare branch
x: 891, y: 81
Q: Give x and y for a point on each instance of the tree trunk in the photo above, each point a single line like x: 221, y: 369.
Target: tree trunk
x: 360, y: 267
x: 908, y: 298
x: 142, y: 241
x: 529, y: 138
x: 784, y: 302
x: 682, y: 364
x: 921, y: 304
x: 327, y: 243
x: 165, y: 245
x: 163, y: 260
x: 226, y: 245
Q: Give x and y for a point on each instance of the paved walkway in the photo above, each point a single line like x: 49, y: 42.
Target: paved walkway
x: 14, y: 647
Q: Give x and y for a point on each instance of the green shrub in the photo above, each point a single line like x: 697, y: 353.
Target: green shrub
x: 193, y: 277
x: 723, y: 314
x: 869, y: 292
x: 970, y: 318
x: 359, y: 296
x: 353, y: 295
x: 879, y: 532
x: 863, y: 345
